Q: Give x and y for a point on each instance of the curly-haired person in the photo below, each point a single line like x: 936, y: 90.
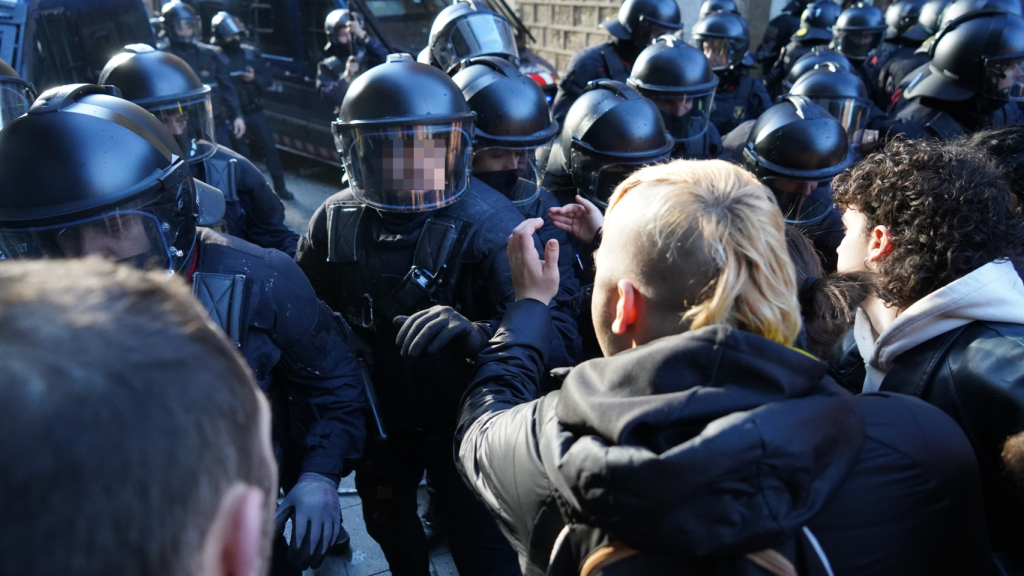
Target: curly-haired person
x: 930, y: 223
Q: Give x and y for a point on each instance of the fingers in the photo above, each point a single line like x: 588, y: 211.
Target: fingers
x: 590, y: 206
x: 300, y: 529
x: 315, y: 538
x: 551, y: 257
x: 423, y: 337
x: 407, y: 328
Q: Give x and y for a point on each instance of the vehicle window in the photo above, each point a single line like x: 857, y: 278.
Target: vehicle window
x: 406, y: 23
x: 271, y: 26
x: 314, y: 12
x: 73, y: 48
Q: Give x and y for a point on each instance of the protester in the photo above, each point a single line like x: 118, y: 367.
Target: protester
x: 703, y: 436
x: 143, y: 446
x: 930, y: 224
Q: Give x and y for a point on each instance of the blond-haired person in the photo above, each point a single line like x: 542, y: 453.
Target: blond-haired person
x: 704, y: 442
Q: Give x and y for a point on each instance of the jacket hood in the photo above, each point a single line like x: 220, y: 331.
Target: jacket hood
x: 992, y: 293
x: 712, y: 441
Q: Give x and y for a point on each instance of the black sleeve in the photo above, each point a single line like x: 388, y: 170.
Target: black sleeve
x: 226, y: 87
x: 323, y: 379
x: 567, y: 345
x: 376, y: 53
x: 262, y: 70
x: 264, y: 213
x: 582, y: 68
x: 311, y: 256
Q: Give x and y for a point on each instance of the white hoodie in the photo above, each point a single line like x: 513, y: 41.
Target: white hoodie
x: 991, y: 293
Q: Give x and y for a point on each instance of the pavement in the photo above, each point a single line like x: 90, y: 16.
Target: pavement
x: 313, y: 182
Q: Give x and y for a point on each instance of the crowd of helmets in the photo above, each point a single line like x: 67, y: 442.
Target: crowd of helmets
x: 136, y: 167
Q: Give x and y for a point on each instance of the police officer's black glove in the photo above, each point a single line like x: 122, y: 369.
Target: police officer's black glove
x: 313, y: 506
x: 428, y: 331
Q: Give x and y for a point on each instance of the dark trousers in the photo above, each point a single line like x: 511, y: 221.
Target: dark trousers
x: 258, y: 129
x: 387, y: 480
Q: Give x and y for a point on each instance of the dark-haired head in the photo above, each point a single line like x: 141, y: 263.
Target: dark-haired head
x: 1006, y: 146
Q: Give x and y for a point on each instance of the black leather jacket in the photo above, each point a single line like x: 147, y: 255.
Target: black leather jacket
x: 975, y: 375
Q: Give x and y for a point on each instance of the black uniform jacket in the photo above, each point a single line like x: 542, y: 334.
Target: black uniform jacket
x: 715, y: 441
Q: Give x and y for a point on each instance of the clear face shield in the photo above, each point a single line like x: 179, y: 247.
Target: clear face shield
x: 802, y: 202
x: 406, y: 168
x: 856, y: 44
x: 685, y: 115
x: 718, y: 52
x: 851, y: 113
x: 15, y: 100
x: 188, y: 120
x: 510, y: 170
x: 477, y: 35
x: 1004, y: 79
x: 143, y: 237
x: 596, y: 177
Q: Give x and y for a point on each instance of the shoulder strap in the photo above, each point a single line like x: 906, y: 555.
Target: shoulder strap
x: 343, y: 224
x: 220, y: 173
x: 225, y: 298
x: 612, y: 62
x: 434, y: 269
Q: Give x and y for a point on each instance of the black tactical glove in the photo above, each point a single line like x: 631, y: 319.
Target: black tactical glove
x: 313, y: 506
x: 430, y: 330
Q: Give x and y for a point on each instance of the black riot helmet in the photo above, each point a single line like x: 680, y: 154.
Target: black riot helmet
x: 979, y: 53
x: 467, y: 29
x: 336, y: 19
x: 931, y: 15
x: 797, y: 141
x: 610, y: 131
x: 405, y: 136
x: 816, y: 21
x: 712, y: 6
x: 113, y: 184
x: 901, y: 21
x: 818, y: 56
x: 512, y: 121
x: 724, y: 38
x: 644, y: 20
x: 226, y: 25
x: 181, y: 23
x: 961, y: 8
x: 679, y: 79
x: 16, y: 95
x: 842, y: 93
x: 859, y: 30
x: 167, y: 87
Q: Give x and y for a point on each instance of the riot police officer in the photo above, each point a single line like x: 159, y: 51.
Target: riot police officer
x: 795, y: 149
x: 117, y: 187
x: 777, y: 34
x: 182, y: 26
x: 818, y: 56
x: 892, y: 73
x: 351, y: 51
x: 858, y: 34
x: 467, y: 29
x: 637, y: 23
x: 678, y: 78
x: 415, y: 240
x: 164, y: 85
x: 724, y: 38
x: 974, y: 80
x: 18, y: 95
x: 815, y: 29
x: 512, y: 122
x: 250, y: 76
x: 903, y: 36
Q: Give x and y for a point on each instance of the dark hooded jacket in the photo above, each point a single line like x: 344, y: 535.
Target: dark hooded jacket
x: 711, y: 443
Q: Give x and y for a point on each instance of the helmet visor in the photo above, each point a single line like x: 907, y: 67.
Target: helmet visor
x: 857, y: 44
x: 143, y: 238
x: 685, y: 115
x: 187, y: 119
x: 1004, y: 79
x: 718, y: 52
x: 478, y: 35
x: 596, y: 179
x: 851, y: 113
x: 15, y: 100
x: 406, y: 168
x: 801, y: 202
x: 184, y: 30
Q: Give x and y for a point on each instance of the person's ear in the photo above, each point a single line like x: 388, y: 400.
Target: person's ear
x: 234, y: 543
x: 625, y: 308
x: 880, y: 243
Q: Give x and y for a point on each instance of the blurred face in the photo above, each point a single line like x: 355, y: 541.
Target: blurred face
x: 793, y: 186
x: 175, y: 122
x: 495, y: 160
x: 343, y: 35
x: 184, y: 29
x: 233, y: 38
x: 717, y: 52
x: 677, y: 107
x: 114, y: 238
x: 854, y: 249
x: 1008, y: 74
